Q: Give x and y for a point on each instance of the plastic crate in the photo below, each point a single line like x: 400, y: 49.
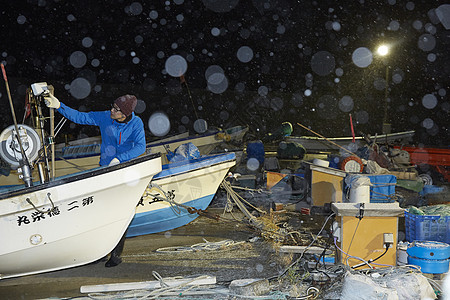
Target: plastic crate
x: 431, y: 189
x: 383, y: 188
x: 427, y: 228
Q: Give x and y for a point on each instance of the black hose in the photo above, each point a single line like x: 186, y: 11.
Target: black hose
x: 372, y: 260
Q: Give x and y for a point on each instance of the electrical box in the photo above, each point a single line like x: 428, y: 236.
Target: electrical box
x: 327, y: 184
x: 364, y: 229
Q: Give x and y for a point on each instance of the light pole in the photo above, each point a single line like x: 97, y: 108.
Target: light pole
x: 383, y: 50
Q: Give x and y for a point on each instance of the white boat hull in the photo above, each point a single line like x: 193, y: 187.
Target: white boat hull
x: 89, y: 215
x: 192, y: 183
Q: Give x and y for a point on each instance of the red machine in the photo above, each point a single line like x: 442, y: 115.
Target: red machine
x: 430, y: 160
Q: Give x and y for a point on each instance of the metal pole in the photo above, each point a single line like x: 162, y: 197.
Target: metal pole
x: 321, y: 136
x: 41, y: 126
x: 24, y: 163
x: 52, y: 136
x: 386, y: 125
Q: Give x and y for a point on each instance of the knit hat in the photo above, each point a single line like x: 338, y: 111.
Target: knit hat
x: 126, y: 103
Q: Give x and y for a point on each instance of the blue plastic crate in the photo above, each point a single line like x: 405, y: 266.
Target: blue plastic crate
x: 431, y: 189
x: 383, y: 188
x: 80, y: 150
x: 427, y: 228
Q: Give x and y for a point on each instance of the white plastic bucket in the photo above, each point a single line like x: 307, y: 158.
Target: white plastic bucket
x: 402, y: 256
x: 359, y: 188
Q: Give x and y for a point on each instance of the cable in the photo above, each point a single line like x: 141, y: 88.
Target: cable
x: 311, y: 292
x: 387, y: 248
x: 435, y: 284
x: 350, y: 256
x: 372, y: 260
x: 322, y: 255
x: 384, y: 265
x: 304, y: 251
x: 354, y: 233
x: 183, y: 80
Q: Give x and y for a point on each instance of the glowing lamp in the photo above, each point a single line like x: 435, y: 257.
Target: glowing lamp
x: 383, y: 50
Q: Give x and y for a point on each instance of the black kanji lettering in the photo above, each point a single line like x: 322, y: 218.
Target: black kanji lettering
x: 22, y: 220
x: 88, y: 200
x: 37, y: 216
x: 73, y: 204
x: 54, y: 211
x: 171, y: 194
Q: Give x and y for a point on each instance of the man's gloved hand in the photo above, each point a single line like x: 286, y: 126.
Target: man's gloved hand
x: 51, y: 101
x: 114, y: 162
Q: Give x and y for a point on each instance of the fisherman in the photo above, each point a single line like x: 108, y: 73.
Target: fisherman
x: 123, y: 138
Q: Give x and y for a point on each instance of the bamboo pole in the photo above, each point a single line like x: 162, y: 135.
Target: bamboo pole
x: 26, y: 172
x: 348, y: 151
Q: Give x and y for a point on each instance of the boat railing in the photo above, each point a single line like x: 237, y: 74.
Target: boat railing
x: 81, y: 150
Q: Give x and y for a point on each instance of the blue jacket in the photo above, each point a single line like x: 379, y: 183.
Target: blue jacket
x: 122, y: 140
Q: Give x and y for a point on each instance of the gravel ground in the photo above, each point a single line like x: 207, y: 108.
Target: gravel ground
x: 140, y: 258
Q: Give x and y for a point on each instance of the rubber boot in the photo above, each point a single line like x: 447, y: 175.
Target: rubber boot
x: 115, y: 259
x: 103, y: 259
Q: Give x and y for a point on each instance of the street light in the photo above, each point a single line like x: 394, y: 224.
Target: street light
x: 383, y: 50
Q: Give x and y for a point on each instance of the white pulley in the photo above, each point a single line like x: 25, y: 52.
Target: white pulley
x: 10, y: 148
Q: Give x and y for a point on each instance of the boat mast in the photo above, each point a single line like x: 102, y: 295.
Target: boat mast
x: 52, y: 145
x: 40, y: 118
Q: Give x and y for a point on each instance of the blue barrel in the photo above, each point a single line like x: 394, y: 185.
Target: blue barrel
x: 430, y: 266
x: 255, y: 149
x: 334, y: 161
x: 430, y: 256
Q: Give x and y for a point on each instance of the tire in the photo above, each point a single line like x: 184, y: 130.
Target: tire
x: 429, y: 174
x: 426, y: 179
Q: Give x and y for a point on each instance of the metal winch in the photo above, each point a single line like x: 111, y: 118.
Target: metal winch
x: 10, y: 149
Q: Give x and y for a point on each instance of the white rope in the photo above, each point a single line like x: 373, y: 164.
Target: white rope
x: 173, y: 204
x: 206, y: 246
x: 229, y: 189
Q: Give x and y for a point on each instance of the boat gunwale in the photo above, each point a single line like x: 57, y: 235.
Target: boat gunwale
x: 199, y: 160
x: 398, y: 135
x: 148, y: 146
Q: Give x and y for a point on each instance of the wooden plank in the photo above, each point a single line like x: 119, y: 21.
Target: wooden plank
x: 404, y: 175
x: 370, y: 209
x: 145, y: 285
x: 300, y: 249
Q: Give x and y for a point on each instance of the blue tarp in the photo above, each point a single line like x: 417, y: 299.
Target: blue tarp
x: 184, y: 152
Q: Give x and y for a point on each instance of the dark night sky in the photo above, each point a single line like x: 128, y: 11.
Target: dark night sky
x: 278, y: 61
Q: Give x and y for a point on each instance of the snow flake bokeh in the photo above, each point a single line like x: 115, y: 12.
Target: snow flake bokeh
x: 198, y: 65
